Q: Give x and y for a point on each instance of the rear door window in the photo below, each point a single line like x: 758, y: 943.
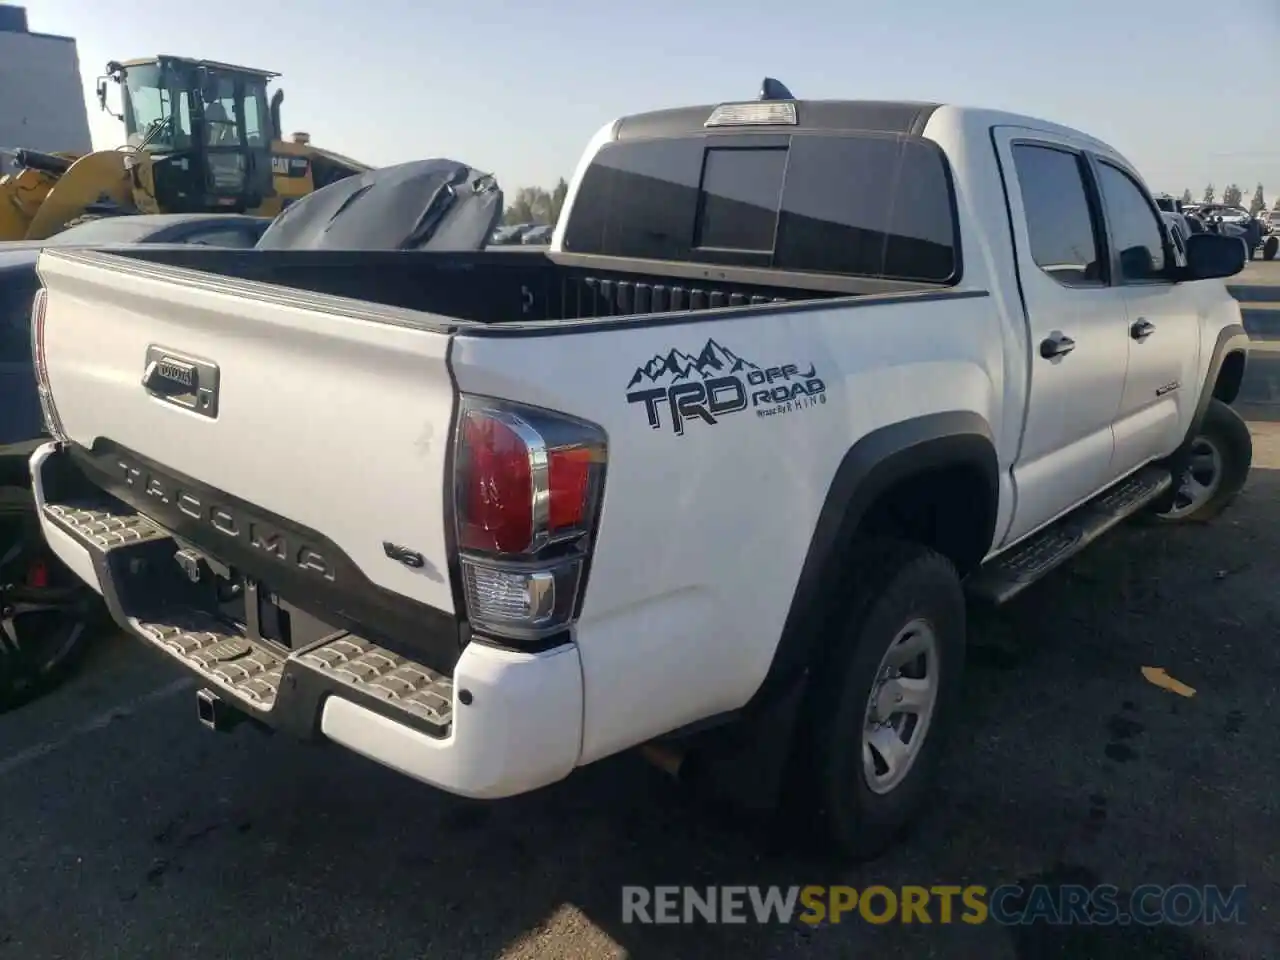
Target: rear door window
x: 856, y: 205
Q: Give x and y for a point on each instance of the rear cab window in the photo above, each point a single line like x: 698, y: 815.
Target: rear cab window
x: 873, y: 205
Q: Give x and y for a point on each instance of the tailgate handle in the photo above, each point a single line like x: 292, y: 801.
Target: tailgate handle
x: 181, y: 380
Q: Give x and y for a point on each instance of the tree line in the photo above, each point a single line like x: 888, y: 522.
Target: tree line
x: 1233, y: 196
x: 536, y: 205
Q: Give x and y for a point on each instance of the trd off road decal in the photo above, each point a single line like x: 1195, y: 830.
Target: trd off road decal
x: 716, y: 382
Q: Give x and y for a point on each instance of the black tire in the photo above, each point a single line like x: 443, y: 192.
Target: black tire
x: 1271, y: 247
x: 892, y: 584
x: 52, y: 620
x: 1223, y: 446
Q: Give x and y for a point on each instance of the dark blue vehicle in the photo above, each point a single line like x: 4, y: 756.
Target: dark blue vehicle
x: 44, y: 610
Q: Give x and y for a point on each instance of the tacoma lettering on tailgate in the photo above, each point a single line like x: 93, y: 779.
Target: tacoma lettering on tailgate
x: 166, y: 495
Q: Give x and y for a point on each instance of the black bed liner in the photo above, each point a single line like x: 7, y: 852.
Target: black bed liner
x: 497, y: 286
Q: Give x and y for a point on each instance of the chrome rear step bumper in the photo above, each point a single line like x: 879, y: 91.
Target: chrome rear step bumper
x: 505, y: 722
x: 282, y: 689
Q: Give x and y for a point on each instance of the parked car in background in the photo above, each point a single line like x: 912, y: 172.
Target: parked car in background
x: 205, y: 229
x: 44, y: 609
x: 511, y: 233
x: 1234, y: 221
x: 538, y: 236
x: 1236, y: 216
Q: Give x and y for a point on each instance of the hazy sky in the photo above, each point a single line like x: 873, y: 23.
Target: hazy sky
x: 518, y: 87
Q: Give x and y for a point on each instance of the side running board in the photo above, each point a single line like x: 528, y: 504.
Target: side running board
x: 1008, y: 574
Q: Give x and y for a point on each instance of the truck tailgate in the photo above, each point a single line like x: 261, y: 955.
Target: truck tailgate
x: 309, y: 421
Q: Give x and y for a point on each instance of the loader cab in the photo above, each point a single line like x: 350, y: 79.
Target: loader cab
x: 206, y: 126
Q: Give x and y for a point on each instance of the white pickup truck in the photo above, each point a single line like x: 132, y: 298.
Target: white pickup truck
x: 720, y: 471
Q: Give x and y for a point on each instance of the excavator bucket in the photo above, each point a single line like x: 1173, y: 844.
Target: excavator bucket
x: 96, y: 178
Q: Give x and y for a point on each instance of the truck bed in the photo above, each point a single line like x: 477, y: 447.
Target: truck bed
x: 500, y: 286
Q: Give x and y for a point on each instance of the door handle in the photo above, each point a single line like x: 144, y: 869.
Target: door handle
x: 1057, y: 344
x: 1142, y: 329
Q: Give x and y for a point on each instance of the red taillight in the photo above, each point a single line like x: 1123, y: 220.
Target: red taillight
x: 496, y: 487
x: 528, y: 485
x: 570, y: 480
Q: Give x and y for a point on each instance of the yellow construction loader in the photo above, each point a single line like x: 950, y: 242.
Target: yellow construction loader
x: 200, y: 136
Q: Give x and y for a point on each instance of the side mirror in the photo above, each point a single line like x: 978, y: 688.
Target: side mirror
x: 1213, y: 255
x: 102, y: 92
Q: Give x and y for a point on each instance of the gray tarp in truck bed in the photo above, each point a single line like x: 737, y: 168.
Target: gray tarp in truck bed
x: 433, y: 204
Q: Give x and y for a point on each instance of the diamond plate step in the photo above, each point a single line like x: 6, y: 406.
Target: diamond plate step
x: 248, y: 671
x: 105, y: 527
x: 1008, y: 574
x: 357, y: 663
x: 252, y: 673
x: 279, y: 688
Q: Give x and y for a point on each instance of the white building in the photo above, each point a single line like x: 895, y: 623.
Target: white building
x: 41, y: 93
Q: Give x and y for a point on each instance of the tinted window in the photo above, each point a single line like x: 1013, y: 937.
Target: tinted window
x: 16, y: 293
x: 252, y: 120
x: 638, y: 200
x: 1135, y: 231
x: 869, y: 206
x: 741, y: 190
x: 1059, y: 222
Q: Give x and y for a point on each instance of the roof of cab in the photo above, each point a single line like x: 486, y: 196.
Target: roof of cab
x: 842, y: 116
x: 212, y: 64
x: 882, y: 116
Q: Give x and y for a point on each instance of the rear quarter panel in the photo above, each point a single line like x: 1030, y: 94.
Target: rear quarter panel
x: 704, y: 531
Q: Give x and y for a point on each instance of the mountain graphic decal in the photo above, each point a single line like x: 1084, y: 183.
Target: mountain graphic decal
x: 676, y: 365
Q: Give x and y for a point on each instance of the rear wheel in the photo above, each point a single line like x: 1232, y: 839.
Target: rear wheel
x: 888, y: 691
x: 46, y: 613
x: 1271, y: 247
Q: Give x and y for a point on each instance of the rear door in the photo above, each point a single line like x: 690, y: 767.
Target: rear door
x: 1163, y: 341
x: 1078, y: 333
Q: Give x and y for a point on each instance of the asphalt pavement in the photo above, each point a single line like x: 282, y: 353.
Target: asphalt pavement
x: 129, y: 831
